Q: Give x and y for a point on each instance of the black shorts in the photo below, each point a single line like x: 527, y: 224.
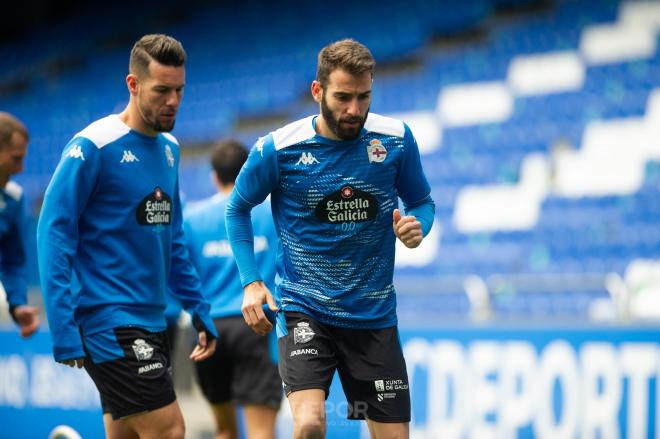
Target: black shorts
x: 131, y: 370
x: 241, y: 369
x: 370, y: 364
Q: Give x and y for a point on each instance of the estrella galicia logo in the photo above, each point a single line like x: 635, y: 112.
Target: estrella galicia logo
x: 155, y: 209
x: 347, y: 205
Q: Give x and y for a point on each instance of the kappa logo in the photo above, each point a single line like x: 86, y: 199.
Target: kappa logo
x: 75, y: 152
x: 143, y: 350
x: 260, y: 145
x: 128, y: 157
x: 306, y: 158
x: 302, y: 333
x: 376, y: 151
x: 169, y: 155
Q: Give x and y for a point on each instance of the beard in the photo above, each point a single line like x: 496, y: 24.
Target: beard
x: 335, y: 124
x: 152, y: 120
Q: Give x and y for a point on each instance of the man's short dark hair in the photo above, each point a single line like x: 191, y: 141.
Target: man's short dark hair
x: 348, y: 55
x: 9, y: 124
x: 157, y: 47
x: 227, y: 158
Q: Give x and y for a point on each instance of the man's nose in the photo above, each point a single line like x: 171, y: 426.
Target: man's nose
x: 353, y: 108
x: 173, y: 99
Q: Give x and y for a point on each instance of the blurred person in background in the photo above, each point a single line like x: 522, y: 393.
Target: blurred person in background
x: 112, y: 215
x: 14, y: 140
x: 335, y: 180
x: 242, y: 371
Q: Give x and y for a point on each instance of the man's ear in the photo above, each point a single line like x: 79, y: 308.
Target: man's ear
x: 317, y: 91
x: 132, y: 84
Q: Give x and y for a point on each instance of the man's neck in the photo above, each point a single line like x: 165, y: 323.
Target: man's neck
x: 323, y: 130
x: 225, y: 189
x: 4, y: 179
x: 133, y: 119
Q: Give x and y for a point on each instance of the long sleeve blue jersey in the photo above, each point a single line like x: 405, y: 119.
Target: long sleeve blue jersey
x: 112, y: 214
x: 12, y: 244
x: 332, y: 204
x: 213, y: 258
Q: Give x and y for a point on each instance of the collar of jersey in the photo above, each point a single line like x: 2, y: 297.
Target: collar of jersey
x: 319, y: 138
x: 138, y: 134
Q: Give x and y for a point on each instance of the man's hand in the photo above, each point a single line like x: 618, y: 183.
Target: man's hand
x: 27, y: 318
x: 204, y: 348
x: 255, y: 295
x: 76, y: 362
x: 407, y: 229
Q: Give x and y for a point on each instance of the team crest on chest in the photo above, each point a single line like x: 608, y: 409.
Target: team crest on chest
x: 376, y: 151
x: 169, y: 155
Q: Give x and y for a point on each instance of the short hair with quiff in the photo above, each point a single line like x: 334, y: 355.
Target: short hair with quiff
x: 349, y: 55
x: 155, y: 47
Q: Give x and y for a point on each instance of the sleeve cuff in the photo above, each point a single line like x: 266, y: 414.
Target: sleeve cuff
x: 205, y: 324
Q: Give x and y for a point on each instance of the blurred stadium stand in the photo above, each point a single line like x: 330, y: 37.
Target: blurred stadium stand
x: 538, y: 122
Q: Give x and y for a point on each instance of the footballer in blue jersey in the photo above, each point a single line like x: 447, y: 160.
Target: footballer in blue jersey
x: 335, y: 181
x: 13, y: 148
x: 112, y: 215
x: 241, y: 371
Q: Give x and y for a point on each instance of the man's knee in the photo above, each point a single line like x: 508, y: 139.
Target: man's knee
x: 310, y: 428
x: 176, y: 431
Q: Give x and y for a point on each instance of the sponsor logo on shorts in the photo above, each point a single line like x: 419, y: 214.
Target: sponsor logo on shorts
x: 384, y: 396
x: 302, y: 333
x: 387, y: 389
x: 143, y: 350
x: 306, y: 351
x: 394, y: 385
x: 150, y: 367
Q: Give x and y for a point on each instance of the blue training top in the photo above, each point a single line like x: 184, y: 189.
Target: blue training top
x: 332, y: 203
x: 12, y: 244
x: 112, y: 213
x: 213, y: 258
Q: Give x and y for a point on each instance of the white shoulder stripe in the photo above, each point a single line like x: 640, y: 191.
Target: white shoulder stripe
x: 170, y: 137
x: 293, y: 133
x: 105, y: 130
x: 385, y: 125
x: 14, y: 190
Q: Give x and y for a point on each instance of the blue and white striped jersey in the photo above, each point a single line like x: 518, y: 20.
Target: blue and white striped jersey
x: 332, y: 203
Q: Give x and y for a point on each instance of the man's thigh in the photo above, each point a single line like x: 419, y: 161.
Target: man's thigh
x: 255, y: 376
x: 373, y: 373
x: 131, y: 369
x: 307, y: 357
